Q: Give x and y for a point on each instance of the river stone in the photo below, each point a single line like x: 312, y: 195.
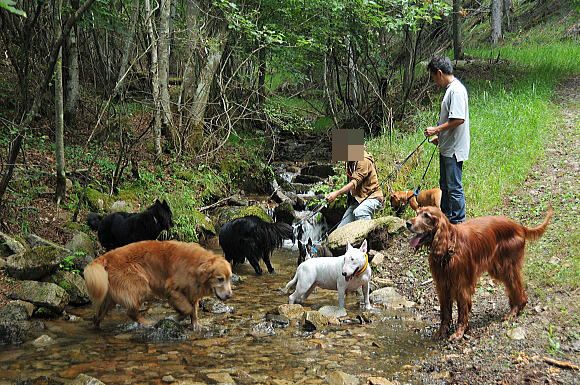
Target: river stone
x: 262, y: 329
x: 83, y: 379
x: 168, y: 379
x: 376, y: 230
x: 319, y: 170
x: 293, y: 311
x: 43, y: 341
x: 389, y: 298
x: 314, y: 320
x: 164, y: 330
x: 10, y: 245
x: 379, y: 282
x: 15, y: 332
x: 36, y: 263
x: 341, y: 378
x: 74, y: 285
x: 42, y: 380
x: 379, y: 381
x: 307, y: 179
x: 215, y: 306
x: 518, y: 333
x: 16, y: 311
x: 332, y: 311
x: 236, y: 279
x: 278, y: 321
x: 41, y: 294
x: 378, y: 259
x: 221, y: 378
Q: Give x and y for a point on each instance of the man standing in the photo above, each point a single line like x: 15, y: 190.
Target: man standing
x: 453, y: 137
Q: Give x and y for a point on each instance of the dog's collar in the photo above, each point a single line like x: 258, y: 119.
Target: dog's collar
x: 363, y: 269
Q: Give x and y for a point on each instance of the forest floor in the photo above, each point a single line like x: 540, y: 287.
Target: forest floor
x: 550, y: 325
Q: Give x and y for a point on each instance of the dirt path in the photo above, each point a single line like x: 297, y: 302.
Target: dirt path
x: 550, y: 324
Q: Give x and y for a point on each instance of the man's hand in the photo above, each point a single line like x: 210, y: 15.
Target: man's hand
x: 430, y: 131
x: 332, y: 196
x: 434, y: 140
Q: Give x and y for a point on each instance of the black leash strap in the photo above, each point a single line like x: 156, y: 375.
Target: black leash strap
x: 425, y: 173
x: 399, y: 166
x: 312, y: 214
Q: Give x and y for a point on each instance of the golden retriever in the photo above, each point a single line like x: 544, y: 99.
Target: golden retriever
x: 400, y: 199
x: 461, y: 253
x: 182, y: 272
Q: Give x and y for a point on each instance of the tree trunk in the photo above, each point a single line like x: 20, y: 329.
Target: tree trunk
x: 352, y: 75
x: 127, y: 49
x: 507, y: 14
x: 261, y: 75
x: 72, y: 78
x: 496, y: 21
x: 201, y: 96
x: 59, y: 113
x: 154, y: 79
x: 457, y: 48
x: 163, y: 55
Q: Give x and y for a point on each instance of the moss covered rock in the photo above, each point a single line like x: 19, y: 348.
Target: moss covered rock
x: 226, y: 214
x: 35, y: 263
x: 10, y: 245
x: 96, y: 200
x: 74, y: 285
x: 377, y: 231
x: 41, y: 294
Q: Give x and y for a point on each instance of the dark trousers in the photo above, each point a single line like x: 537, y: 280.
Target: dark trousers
x: 452, y: 198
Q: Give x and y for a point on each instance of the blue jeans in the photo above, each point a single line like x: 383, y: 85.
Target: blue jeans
x: 452, y: 198
x: 364, y: 210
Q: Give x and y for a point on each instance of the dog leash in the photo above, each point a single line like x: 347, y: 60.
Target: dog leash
x: 309, y: 216
x: 400, y: 165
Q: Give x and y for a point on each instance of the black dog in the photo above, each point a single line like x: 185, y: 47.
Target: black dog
x: 120, y: 229
x: 253, y: 239
x: 308, y: 250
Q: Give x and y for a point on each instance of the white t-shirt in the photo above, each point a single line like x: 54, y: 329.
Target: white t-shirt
x: 455, y: 106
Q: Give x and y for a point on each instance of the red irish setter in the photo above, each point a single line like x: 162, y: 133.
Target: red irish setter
x: 461, y: 253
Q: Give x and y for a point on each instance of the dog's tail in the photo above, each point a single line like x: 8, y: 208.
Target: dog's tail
x: 291, y: 284
x: 97, y: 280
x: 276, y: 233
x: 537, y: 232
x: 94, y: 220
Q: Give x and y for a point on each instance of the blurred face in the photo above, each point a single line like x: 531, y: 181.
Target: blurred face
x: 438, y: 78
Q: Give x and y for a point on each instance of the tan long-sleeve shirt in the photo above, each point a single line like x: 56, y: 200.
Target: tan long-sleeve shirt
x: 364, y: 174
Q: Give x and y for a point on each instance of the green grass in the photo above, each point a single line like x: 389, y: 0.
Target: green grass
x: 511, y: 115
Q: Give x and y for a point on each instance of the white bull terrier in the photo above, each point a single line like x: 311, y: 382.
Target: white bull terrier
x: 345, y: 274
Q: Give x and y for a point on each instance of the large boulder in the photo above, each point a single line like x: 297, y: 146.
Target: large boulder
x: 377, y: 231
x: 226, y: 214
x: 284, y: 212
x: 74, y: 285
x: 16, y: 311
x: 81, y: 242
x: 41, y: 294
x: 319, y: 170
x: 34, y: 241
x: 10, y: 245
x: 35, y: 263
x: 306, y: 179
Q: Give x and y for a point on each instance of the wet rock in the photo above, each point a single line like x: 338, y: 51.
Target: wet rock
x: 168, y: 379
x: 332, y: 311
x: 314, y: 320
x: 282, y: 382
x: 83, y: 379
x: 226, y: 214
x: 378, y: 259
x: 378, y: 231
x: 42, y: 380
x: 293, y: 311
x: 42, y: 341
x: 16, y: 311
x: 263, y: 329
x: 380, y: 381
x: 10, y: 246
x: 188, y: 382
x: 82, y: 242
x: 389, y: 298
x: 319, y: 170
x: 164, y: 330
x: 46, y: 313
x: 16, y: 332
x: 215, y: 306
x: 41, y: 294
x: 284, y: 212
x: 74, y: 285
x: 236, y: 279
x: 307, y: 179
x: 220, y: 378
x: 278, y: 321
x: 341, y: 378
x: 36, y: 263
x: 302, y: 188
x: 518, y: 333
x: 280, y: 196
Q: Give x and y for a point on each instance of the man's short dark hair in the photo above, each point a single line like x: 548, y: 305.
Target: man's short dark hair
x: 442, y: 63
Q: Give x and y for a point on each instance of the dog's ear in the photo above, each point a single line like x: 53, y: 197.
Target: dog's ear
x: 440, y: 243
x: 348, y: 246
x: 363, y: 247
x: 164, y: 203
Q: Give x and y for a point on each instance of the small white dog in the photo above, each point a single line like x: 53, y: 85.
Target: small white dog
x: 345, y: 274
